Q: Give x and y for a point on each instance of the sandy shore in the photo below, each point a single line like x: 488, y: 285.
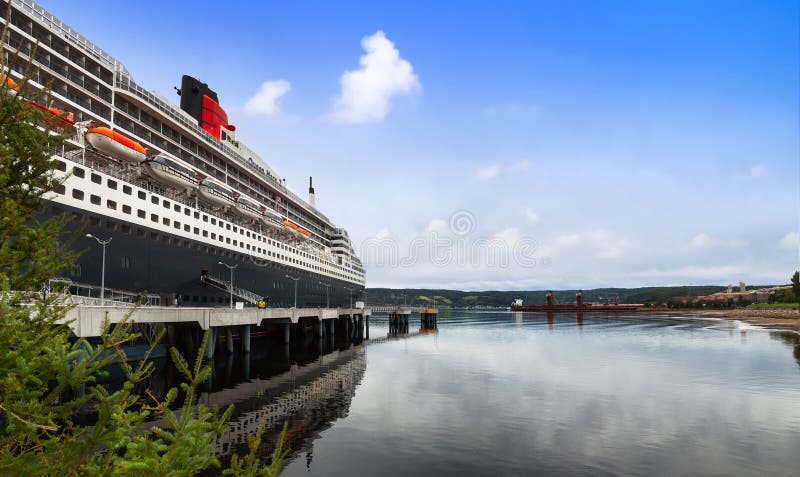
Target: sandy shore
x: 775, y: 318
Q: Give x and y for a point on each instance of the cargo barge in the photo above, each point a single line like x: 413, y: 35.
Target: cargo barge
x: 579, y: 305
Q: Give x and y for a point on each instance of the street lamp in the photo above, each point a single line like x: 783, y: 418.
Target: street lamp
x: 327, y: 294
x: 231, y: 284
x: 104, y: 243
x: 296, y: 279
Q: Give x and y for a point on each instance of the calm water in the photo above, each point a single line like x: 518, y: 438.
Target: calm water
x: 514, y: 394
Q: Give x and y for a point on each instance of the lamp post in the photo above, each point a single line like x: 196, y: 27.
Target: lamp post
x: 296, y: 279
x: 230, y: 267
x: 327, y: 294
x: 104, y: 243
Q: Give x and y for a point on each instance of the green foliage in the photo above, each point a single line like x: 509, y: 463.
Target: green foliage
x: 49, y: 382
x: 796, y: 286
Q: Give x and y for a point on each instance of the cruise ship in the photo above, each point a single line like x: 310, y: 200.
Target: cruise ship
x: 194, y: 215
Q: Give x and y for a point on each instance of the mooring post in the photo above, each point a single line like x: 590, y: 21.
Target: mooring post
x: 212, y: 342
x: 246, y: 338
x: 229, y: 339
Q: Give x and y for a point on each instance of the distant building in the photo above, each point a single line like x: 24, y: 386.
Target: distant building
x: 760, y: 295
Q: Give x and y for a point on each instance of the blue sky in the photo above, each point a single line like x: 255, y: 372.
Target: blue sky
x: 634, y: 143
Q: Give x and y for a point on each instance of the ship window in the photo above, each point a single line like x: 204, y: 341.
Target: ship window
x: 165, y: 221
x: 127, y: 189
x: 153, y: 236
x: 154, y: 200
x: 60, y: 189
x: 112, y: 184
x: 141, y: 214
x: 78, y: 172
x: 213, y: 236
x: 166, y: 204
x: 94, y: 220
x: 126, y: 209
x: 164, y: 238
x: 227, y: 240
x: 197, y: 215
x: 154, y: 218
x: 125, y: 263
x: 195, y: 298
x: 125, y: 228
x: 177, y: 225
x: 186, y: 228
x: 205, y: 233
x: 94, y: 199
x: 111, y: 204
x: 61, y: 165
x: 177, y: 208
x: 187, y: 211
x: 213, y: 221
x: 111, y: 225
x: 205, y: 218
x: 139, y: 232
x: 75, y: 270
x: 227, y: 226
x: 142, y: 195
x: 235, y: 243
x: 235, y: 229
x: 196, y: 231
x: 97, y: 179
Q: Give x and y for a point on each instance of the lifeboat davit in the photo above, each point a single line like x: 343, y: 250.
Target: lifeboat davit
x: 272, y: 218
x: 171, y: 171
x: 296, y: 230
x: 248, y: 209
x: 116, y: 145
x: 216, y: 193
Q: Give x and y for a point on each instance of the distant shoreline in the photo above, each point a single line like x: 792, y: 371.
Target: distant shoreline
x: 772, y: 318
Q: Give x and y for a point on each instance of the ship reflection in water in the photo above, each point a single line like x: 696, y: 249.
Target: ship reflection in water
x: 307, y: 389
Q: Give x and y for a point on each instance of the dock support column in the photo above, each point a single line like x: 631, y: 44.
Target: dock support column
x: 321, y: 329
x: 246, y: 338
x: 366, y: 327
x: 287, y: 332
x: 212, y: 343
x: 229, y: 339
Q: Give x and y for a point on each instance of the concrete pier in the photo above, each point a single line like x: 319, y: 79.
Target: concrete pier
x: 427, y: 318
x: 87, y: 321
x: 246, y: 338
x: 398, y: 320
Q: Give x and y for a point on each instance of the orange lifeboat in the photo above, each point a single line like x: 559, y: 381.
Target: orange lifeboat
x: 116, y: 145
x: 9, y: 82
x: 297, y: 231
x: 61, y: 119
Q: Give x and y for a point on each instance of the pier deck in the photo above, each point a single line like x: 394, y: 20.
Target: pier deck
x: 87, y: 321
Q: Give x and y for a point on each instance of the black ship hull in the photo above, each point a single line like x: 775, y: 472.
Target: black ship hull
x: 140, y: 259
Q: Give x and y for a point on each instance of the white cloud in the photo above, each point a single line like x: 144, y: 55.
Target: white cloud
x: 757, y: 170
x: 701, y: 241
x: 567, y: 240
x: 266, y: 99
x: 791, y: 240
x: 532, y: 216
x: 523, y: 165
x: 367, y: 91
x: 509, y: 236
x: 489, y: 172
x: 738, y: 243
x: 383, y: 233
x: 438, y: 226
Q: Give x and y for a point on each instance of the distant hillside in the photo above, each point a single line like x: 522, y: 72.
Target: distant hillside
x: 494, y: 298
